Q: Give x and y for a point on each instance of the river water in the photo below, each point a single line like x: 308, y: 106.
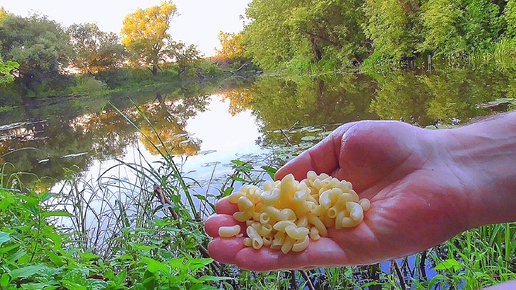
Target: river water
x: 205, y: 130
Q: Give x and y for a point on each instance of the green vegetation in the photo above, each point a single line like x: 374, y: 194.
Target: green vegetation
x: 40, y: 58
x: 310, y: 36
x: 147, y: 234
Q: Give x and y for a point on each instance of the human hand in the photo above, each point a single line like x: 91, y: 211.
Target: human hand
x: 416, y: 188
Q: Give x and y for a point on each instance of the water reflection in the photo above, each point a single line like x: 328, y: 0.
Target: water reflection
x: 210, y: 128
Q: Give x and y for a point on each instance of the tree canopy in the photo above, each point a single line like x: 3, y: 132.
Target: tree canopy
x: 144, y: 33
x: 231, y: 46
x: 94, y: 49
x: 39, y: 45
x: 339, y: 33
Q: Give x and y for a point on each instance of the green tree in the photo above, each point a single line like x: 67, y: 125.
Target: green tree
x: 40, y: 46
x: 183, y: 55
x: 329, y: 30
x: 510, y: 18
x: 440, y: 19
x: 481, y: 24
x: 304, y: 34
x: 95, y: 50
x: 393, y: 26
x: 144, y: 33
x: 266, y: 37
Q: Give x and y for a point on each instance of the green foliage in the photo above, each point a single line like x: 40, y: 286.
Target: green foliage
x: 510, y: 19
x: 5, y: 71
x: 480, y: 24
x: 310, y: 36
x: 304, y: 35
x: 40, y: 46
x: 440, y: 20
x: 393, y: 27
x: 88, y: 86
x: 35, y: 253
x: 95, y: 50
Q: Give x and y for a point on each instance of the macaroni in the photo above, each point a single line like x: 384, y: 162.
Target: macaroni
x: 227, y: 232
x: 285, y: 215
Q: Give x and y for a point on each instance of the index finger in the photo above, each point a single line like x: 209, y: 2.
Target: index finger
x: 223, y: 206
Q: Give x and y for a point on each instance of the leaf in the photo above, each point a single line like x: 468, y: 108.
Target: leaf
x: 202, y: 287
x: 47, y: 196
x: 4, y: 237
x: 195, y: 264
x: 154, y: 266
x: 450, y: 264
x: 88, y: 256
x: 4, y: 280
x: 56, y: 213
x: 26, y: 271
x: 55, y: 259
x: 271, y: 171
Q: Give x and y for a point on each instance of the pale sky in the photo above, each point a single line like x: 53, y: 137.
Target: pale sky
x: 198, y: 22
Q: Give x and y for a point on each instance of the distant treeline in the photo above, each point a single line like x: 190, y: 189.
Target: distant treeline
x: 39, y: 57
x: 333, y: 34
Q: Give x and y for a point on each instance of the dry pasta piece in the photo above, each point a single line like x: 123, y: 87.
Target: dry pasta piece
x: 285, y: 215
x: 231, y: 231
x: 301, y: 245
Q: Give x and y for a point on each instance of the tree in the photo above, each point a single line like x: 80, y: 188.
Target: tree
x: 183, y: 55
x: 144, y: 33
x: 393, y: 26
x: 266, y: 37
x: 40, y: 46
x: 95, y: 50
x: 481, y: 24
x: 440, y: 19
x: 231, y: 44
x: 3, y: 14
x: 510, y: 18
x: 305, y: 34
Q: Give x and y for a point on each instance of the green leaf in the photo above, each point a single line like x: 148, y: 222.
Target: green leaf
x: 271, y: 171
x: 56, y: 213
x: 154, y: 266
x: 208, y: 278
x: 4, y: 280
x: 26, y: 271
x: 88, y: 256
x: 55, y: 259
x: 450, y: 264
x: 195, y: 264
x: 47, y: 196
x: 4, y: 237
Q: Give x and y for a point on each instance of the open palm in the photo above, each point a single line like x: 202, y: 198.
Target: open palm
x: 416, y: 193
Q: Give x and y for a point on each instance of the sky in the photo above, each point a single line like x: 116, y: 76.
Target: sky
x: 198, y: 22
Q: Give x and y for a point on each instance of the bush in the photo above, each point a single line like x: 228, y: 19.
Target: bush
x: 88, y: 86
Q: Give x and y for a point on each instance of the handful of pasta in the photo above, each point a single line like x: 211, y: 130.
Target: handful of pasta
x: 286, y: 214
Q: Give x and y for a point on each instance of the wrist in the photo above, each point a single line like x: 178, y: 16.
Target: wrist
x: 484, y: 155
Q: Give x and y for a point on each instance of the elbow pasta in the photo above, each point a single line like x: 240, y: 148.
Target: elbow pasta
x: 285, y: 215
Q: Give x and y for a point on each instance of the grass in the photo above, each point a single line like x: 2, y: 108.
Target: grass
x: 146, y: 232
